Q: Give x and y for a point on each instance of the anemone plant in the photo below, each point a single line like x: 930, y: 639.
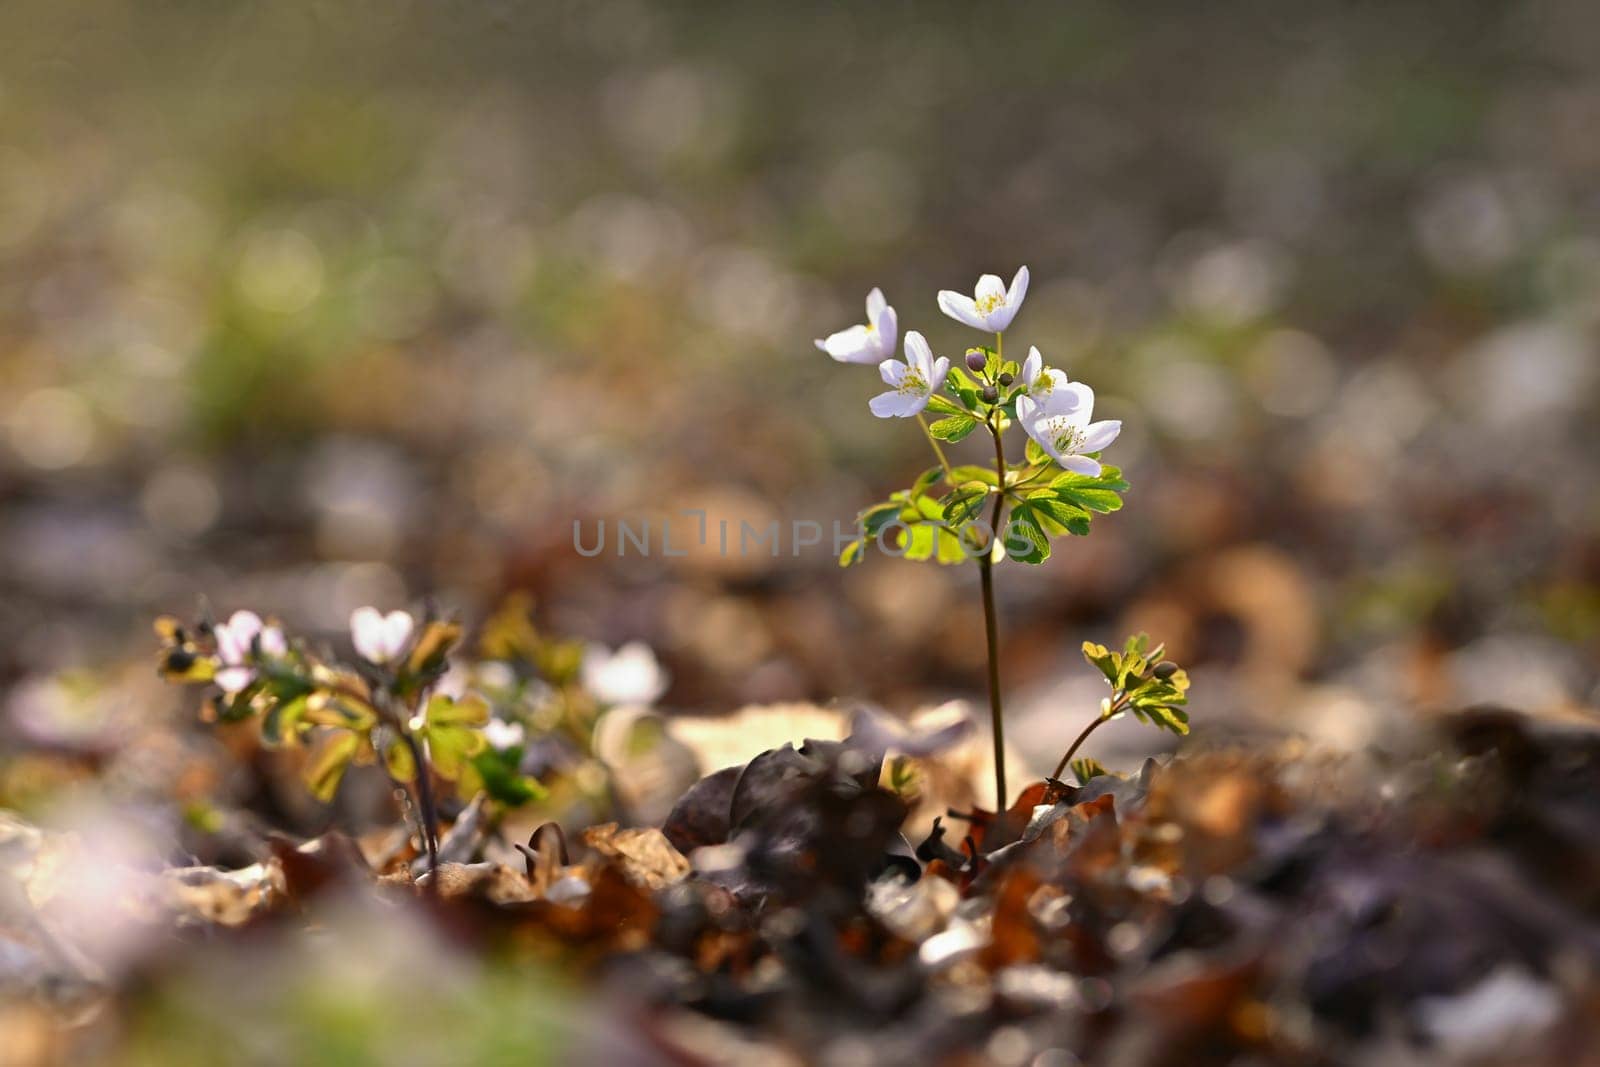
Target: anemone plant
x: 1014, y: 509
x: 393, y: 703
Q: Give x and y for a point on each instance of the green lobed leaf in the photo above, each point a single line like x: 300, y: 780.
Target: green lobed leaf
x: 502, y: 779
x: 1102, y: 658
x: 925, y: 481
x: 954, y: 428
x: 1058, y: 516
x: 329, y: 761
x: 1086, y: 768
x: 1026, y: 539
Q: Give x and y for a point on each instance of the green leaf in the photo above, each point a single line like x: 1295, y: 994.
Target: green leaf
x: 954, y: 427
x: 874, y: 519
x: 853, y: 553
x: 1103, y: 658
x: 1026, y: 539
x: 503, y: 781
x: 973, y: 473
x: 941, y: 405
x: 963, y: 503
x: 922, y: 542
x: 283, y: 723
x: 470, y: 710
x: 329, y: 761
x: 399, y: 762
x: 326, y: 708
x: 428, y: 655
x: 1058, y: 516
x: 1100, y: 493
x: 925, y: 481
x: 1036, y: 456
x: 1086, y: 769
x: 451, y: 748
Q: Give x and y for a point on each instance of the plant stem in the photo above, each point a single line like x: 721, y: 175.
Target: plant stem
x: 990, y: 622
x: 1104, y: 717
x: 938, y: 451
x: 426, y: 813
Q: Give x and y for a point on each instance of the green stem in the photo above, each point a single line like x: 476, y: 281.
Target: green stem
x: 990, y: 620
x: 938, y: 451
x: 1104, y: 717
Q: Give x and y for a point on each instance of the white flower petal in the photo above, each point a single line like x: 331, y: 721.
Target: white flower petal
x: 1031, y: 366
x: 1018, y: 291
x: 1075, y: 399
x: 1080, y: 464
x: 875, y: 304
x: 1098, y: 435
x: 630, y: 675
x: 233, y: 679
x: 1027, y: 412
x: 961, y: 308
x: 888, y: 331
x: 990, y: 287
x: 855, y: 345
x: 918, y: 354
x: 897, y: 405
x: 893, y: 372
x: 234, y: 637
x: 366, y: 633
x: 502, y: 735
x: 941, y: 371
x: 272, y: 642
x: 397, y: 626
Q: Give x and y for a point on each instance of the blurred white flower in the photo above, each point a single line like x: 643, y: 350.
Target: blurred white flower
x: 630, y: 675
x: 870, y: 342
x: 502, y: 735
x: 380, y: 638
x: 238, y: 642
x: 912, y: 382
x: 1060, y: 424
x: 991, y: 306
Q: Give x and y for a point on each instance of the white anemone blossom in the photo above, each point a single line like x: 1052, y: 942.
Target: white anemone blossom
x: 1060, y: 424
x: 628, y: 676
x: 868, y: 342
x: 1039, y: 381
x: 239, y: 640
x: 910, y: 383
x: 380, y: 638
x: 991, y: 306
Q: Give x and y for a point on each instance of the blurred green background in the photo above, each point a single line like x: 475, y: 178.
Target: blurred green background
x: 310, y: 305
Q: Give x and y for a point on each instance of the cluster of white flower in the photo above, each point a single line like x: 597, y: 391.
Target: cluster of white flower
x: 1054, y: 412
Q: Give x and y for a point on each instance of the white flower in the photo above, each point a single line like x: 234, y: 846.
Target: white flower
x: 238, y: 641
x: 867, y: 343
x: 502, y: 735
x: 630, y: 675
x: 991, y: 306
x: 1041, y: 382
x: 380, y: 638
x: 1061, y: 426
x: 912, y: 382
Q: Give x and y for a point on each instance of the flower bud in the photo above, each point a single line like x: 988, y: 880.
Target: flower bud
x: 1006, y: 379
x: 1165, y: 669
x: 990, y: 394
x: 977, y: 359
